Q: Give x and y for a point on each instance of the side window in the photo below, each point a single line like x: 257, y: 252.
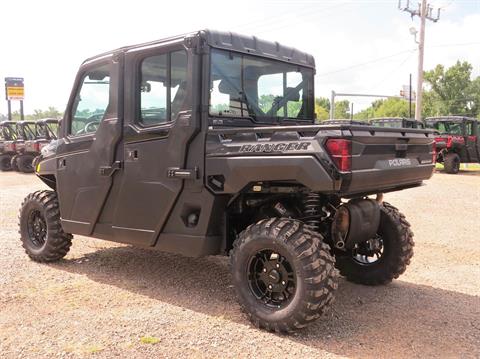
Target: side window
x: 163, y: 87
x: 91, y: 101
x: 469, y: 128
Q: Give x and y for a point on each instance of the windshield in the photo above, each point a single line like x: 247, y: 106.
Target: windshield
x: 47, y: 130
x: 258, y: 88
x: 390, y: 123
x: 28, y: 131
x: 453, y: 128
x: 9, y: 133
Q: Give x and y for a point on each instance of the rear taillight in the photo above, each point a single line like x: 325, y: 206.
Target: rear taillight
x: 340, y: 150
x: 36, y: 147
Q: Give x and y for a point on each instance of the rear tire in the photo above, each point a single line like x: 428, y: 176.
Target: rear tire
x: 41, y: 231
x: 284, y: 274
x: 452, y: 163
x: 397, y: 250
x: 5, y: 163
x: 13, y: 162
x: 25, y: 163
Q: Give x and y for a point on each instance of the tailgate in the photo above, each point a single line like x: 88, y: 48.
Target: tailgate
x: 388, y: 158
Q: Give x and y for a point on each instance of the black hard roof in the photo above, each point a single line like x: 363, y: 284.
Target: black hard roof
x: 234, y: 42
x: 7, y: 123
x: 389, y: 118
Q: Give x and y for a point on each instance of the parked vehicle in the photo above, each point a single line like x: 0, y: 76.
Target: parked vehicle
x: 343, y: 122
x: 205, y: 144
x: 46, y: 131
x: 456, y: 141
x: 397, y: 122
x: 25, y: 146
x: 8, y: 131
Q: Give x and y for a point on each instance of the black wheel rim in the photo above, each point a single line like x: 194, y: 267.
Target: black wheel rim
x: 37, y: 228
x: 370, y: 252
x: 271, y: 278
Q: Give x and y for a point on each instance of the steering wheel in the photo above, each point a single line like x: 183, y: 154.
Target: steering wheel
x: 91, y: 127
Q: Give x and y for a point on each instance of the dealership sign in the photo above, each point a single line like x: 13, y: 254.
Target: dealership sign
x: 14, y: 89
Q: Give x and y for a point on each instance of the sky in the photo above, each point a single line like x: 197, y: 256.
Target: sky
x: 360, y: 46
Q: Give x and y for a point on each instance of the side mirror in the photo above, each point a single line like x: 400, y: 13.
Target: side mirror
x: 145, y: 87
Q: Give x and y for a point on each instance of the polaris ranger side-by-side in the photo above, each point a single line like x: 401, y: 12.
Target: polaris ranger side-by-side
x: 25, y: 146
x: 457, y: 140
x: 205, y: 144
x: 45, y: 131
x: 397, y: 122
x: 7, y: 144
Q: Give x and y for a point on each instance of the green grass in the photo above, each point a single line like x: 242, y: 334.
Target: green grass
x: 149, y: 340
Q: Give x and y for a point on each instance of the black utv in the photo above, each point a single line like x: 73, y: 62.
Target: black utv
x: 205, y: 144
x: 457, y: 140
x: 7, y: 144
x: 396, y: 122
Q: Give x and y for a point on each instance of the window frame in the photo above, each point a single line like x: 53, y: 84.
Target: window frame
x: 138, y: 80
x: 78, y: 87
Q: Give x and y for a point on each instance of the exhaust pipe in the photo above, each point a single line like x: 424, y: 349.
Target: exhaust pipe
x: 355, y: 222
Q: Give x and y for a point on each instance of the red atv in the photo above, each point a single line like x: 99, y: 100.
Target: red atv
x: 456, y: 142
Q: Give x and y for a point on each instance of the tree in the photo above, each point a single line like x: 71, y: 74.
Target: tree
x: 452, y: 91
x: 342, y: 109
x: 391, y: 107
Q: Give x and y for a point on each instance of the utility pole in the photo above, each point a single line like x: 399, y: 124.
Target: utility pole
x: 424, y: 11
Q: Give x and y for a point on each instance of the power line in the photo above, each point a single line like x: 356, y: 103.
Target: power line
x: 364, y: 63
x: 396, y: 68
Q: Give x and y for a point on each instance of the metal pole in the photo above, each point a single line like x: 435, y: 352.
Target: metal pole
x: 332, y: 105
x: 21, y: 111
x: 9, y: 110
x: 410, y: 97
x: 351, y: 111
x: 421, y: 47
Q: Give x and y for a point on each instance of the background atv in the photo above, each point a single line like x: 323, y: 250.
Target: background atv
x: 7, y: 144
x: 457, y: 141
x: 25, y: 146
x: 45, y: 131
x: 397, y: 122
x: 205, y: 144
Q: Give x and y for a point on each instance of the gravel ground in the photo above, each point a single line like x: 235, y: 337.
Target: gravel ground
x: 107, y: 300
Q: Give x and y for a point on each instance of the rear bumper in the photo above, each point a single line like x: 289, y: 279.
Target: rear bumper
x: 382, y: 180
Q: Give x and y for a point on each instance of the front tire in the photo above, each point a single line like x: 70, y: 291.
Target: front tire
x: 5, y: 163
x: 383, y: 258
x: 452, y: 163
x: 283, y: 273
x: 41, y: 231
x: 13, y: 162
x: 25, y: 163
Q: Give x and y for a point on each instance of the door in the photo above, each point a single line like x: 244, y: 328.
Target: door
x: 91, y: 130
x: 158, y: 127
x: 471, y: 141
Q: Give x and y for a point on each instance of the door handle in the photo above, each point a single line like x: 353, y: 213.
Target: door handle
x: 110, y: 170
x: 132, y: 155
x: 62, y: 163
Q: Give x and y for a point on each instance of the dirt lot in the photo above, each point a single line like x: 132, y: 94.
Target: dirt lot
x: 107, y: 300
